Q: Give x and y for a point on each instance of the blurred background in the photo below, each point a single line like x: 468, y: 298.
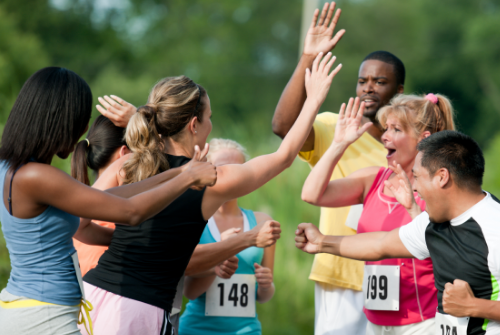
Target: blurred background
x: 243, y: 52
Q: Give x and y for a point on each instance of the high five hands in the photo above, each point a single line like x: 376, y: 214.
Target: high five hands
x: 318, y: 79
x: 320, y: 37
x: 349, y: 127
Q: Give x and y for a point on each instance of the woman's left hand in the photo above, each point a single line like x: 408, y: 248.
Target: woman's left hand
x: 116, y: 109
x: 264, y: 276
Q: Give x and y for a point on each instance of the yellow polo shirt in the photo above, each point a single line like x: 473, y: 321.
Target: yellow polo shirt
x: 365, y: 152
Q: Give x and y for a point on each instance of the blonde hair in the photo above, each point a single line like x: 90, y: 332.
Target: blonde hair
x: 172, y: 103
x: 419, y: 114
x: 217, y: 144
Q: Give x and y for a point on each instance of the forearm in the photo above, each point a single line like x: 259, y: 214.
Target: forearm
x: 292, y: 99
x: 319, y: 178
x: 265, y: 294
x: 366, y: 246
x: 206, y: 256
x: 194, y: 287
x: 414, y: 211
x: 128, y: 191
x: 93, y: 234
x: 486, y: 309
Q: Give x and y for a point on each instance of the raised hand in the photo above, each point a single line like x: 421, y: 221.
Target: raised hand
x: 320, y: 37
x: 116, y: 109
x: 348, y: 127
x: 403, y: 192
x: 203, y: 173
x: 264, y: 276
x: 266, y: 233
x: 308, y: 238
x: 318, y: 79
x: 227, y: 268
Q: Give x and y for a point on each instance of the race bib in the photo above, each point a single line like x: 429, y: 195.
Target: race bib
x: 381, y: 287
x: 450, y: 325
x: 234, y: 297
x: 78, y: 272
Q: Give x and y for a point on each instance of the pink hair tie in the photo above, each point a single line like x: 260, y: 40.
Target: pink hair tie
x: 432, y: 98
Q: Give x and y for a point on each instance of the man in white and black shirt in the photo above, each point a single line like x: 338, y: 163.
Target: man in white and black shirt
x: 460, y: 231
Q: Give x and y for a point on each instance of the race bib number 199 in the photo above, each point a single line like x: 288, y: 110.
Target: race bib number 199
x: 381, y: 287
x: 233, y: 297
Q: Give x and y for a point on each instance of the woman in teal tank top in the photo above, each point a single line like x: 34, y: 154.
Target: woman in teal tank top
x: 227, y: 306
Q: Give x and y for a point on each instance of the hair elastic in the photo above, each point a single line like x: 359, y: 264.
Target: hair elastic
x: 88, y: 142
x: 432, y: 98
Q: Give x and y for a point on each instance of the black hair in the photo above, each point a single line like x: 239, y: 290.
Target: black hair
x: 50, y: 114
x: 387, y: 57
x: 104, y: 138
x: 456, y: 152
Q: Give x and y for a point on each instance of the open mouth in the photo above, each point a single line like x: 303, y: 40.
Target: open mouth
x: 369, y: 102
x: 390, y: 152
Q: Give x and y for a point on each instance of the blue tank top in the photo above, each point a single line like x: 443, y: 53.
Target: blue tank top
x: 40, y: 250
x: 194, y: 322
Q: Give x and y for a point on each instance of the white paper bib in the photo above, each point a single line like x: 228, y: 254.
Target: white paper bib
x: 233, y: 297
x: 381, y: 287
x: 450, y: 325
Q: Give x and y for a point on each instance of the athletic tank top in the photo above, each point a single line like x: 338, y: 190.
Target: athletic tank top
x: 418, y: 295
x: 193, y: 321
x: 145, y: 262
x: 40, y: 250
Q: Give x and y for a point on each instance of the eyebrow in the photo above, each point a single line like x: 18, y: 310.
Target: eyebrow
x: 376, y: 78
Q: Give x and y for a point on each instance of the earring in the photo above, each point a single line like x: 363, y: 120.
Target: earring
x: 196, y: 131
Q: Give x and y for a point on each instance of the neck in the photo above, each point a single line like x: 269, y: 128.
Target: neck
x: 375, y: 130
x: 175, y: 148
x: 229, y: 208
x: 459, y: 201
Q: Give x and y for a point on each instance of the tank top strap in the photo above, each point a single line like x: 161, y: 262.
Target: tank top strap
x: 9, y: 199
x: 378, y: 179
x: 252, y: 221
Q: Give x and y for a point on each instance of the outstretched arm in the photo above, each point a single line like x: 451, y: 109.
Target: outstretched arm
x: 318, y: 189
x: 319, y: 38
x: 236, y: 180
x: 363, y: 247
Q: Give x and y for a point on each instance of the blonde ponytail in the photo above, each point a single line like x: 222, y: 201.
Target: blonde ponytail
x: 148, y: 158
x: 420, y: 113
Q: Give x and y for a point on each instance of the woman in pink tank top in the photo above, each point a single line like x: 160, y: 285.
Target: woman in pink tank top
x: 400, y: 297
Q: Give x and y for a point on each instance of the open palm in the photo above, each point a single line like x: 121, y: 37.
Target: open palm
x: 320, y: 37
x: 348, y: 127
x: 403, y: 191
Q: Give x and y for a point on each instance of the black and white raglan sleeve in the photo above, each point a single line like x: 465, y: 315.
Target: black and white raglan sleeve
x: 413, y: 236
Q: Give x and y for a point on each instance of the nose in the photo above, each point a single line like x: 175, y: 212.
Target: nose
x: 385, y: 137
x: 368, y: 87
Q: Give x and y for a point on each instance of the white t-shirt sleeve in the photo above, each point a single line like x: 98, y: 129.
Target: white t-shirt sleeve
x: 413, y: 236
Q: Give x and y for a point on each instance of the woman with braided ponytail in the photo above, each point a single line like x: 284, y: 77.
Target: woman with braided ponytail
x: 409, y: 309
x: 135, y: 282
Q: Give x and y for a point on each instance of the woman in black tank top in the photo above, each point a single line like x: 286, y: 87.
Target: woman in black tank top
x: 145, y: 263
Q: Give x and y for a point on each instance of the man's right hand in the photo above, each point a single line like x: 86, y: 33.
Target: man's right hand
x: 308, y: 238
x: 265, y: 234
x: 227, y: 268
x: 320, y: 37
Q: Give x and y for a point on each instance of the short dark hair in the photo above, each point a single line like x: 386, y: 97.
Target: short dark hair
x: 387, y: 57
x: 95, y: 152
x: 50, y: 114
x: 456, y: 152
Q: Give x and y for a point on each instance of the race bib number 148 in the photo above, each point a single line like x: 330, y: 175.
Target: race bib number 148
x: 231, y: 297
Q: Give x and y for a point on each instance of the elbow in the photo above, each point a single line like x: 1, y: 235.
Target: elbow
x: 309, y: 198
x: 135, y: 217
x: 278, y: 129
x: 191, y: 295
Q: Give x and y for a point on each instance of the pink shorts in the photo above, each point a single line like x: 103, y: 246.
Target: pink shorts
x: 113, y: 314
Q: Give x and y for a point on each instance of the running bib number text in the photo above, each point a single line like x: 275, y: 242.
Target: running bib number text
x: 381, y: 287
x: 450, y: 325
x: 231, y: 297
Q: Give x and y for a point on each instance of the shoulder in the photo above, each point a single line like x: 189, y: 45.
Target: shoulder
x: 261, y: 217
x: 113, y: 175
x: 37, y: 172
x: 326, y: 118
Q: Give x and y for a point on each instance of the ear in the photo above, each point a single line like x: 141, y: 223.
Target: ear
x: 443, y: 177
x: 193, y: 125
x: 124, y: 150
x: 401, y: 88
x: 425, y: 134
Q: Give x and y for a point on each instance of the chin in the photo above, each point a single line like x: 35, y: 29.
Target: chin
x: 371, y: 113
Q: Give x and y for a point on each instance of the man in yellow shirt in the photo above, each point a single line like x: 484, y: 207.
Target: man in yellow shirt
x: 338, y: 296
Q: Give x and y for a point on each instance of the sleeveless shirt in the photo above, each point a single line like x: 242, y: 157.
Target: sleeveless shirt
x: 193, y: 321
x: 40, y: 250
x: 418, y: 296
x: 146, y: 262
